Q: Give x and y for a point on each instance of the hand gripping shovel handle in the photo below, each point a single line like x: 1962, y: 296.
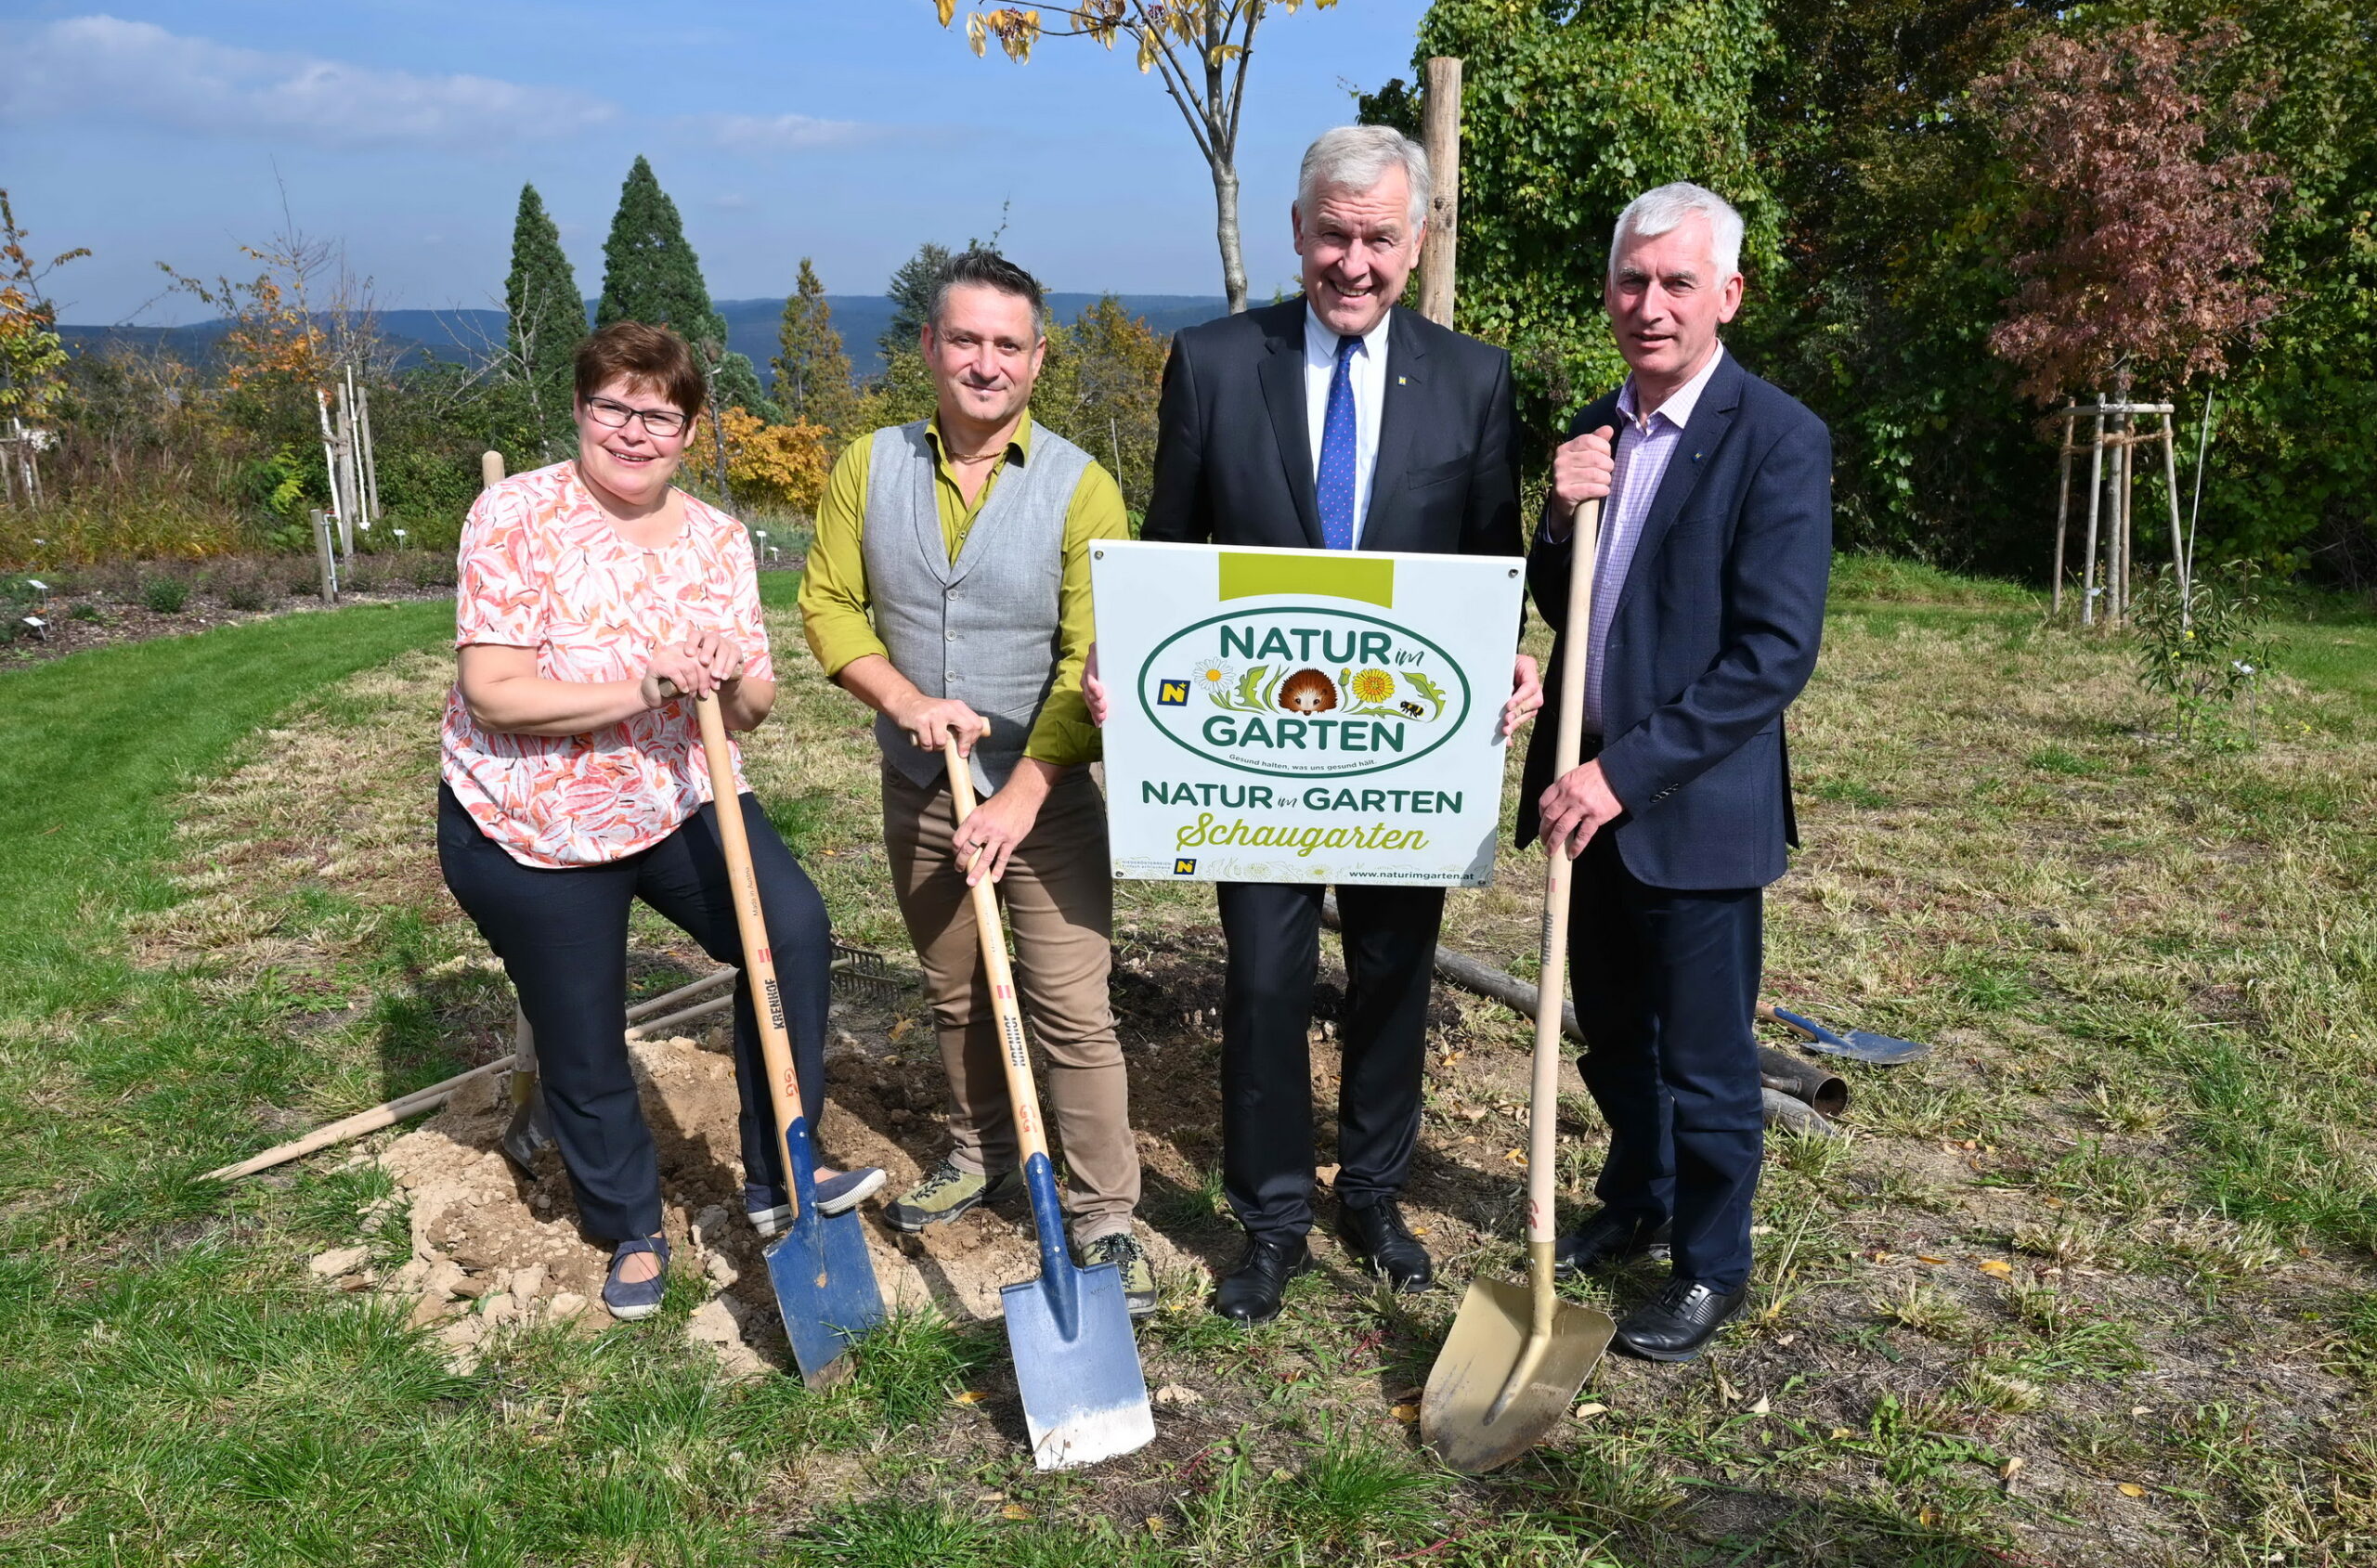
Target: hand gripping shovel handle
x: 1543, y: 1102
x: 759, y: 962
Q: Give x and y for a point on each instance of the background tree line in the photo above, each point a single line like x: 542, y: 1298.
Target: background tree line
x: 152, y: 457
x: 1904, y: 213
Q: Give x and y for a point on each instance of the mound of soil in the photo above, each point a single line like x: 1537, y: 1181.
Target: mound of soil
x: 490, y: 1246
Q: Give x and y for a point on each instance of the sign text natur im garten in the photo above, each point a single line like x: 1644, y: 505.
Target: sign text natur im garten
x: 1303, y: 716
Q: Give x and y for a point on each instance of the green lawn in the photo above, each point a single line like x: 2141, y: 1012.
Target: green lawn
x: 2151, y: 974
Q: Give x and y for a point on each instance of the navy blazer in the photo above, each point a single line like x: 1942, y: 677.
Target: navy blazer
x: 1716, y: 631
x: 1233, y: 458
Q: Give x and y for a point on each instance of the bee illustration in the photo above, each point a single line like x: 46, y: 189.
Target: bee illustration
x: 1414, y: 709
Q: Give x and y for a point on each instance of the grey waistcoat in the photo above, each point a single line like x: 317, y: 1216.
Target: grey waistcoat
x: 982, y: 629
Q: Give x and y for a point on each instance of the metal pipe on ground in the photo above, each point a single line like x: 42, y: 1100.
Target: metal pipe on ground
x: 1808, y: 1087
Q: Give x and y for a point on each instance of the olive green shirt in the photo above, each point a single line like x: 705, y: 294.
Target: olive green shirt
x: 834, y: 599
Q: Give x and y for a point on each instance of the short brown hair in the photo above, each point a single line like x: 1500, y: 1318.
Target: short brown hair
x: 651, y: 357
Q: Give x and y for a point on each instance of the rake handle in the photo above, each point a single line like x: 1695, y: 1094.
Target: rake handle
x: 751, y: 924
x: 1031, y: 1138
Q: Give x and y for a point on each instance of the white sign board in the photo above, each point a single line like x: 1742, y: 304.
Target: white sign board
x: 1303, y: 716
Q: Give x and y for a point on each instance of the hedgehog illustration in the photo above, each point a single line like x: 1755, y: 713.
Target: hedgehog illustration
x: 1308, y: 691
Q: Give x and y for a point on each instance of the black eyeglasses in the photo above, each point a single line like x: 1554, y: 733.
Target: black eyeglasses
x: 663, y: 423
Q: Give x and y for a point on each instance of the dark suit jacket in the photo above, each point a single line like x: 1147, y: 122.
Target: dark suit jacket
x: 1233, y: 458
x: 1716, y: 631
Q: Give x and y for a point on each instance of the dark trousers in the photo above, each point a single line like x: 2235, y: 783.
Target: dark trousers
x: 562, y: 938
x: 1666, y: 982
x: 1274, y: 931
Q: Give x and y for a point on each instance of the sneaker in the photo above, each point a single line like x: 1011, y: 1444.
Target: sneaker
x: 946, y: 1193
x: 771, y: 1210
x: 627, y: 1302
x: 1123, y: 1250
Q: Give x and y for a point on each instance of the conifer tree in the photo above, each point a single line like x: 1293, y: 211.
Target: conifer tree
x: 650, y: 274
x: 910, y: 297
x: 812, y: 371
x: 546, y: 317
x: 734, y: 383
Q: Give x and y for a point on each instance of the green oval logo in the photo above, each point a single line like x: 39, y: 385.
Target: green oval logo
x: 1303, y: 692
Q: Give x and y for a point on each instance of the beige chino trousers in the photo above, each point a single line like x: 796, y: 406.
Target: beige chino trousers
x: 1058, y: 896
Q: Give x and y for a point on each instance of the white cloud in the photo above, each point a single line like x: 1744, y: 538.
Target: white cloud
x: 780, y: 132
x: 103, y: 67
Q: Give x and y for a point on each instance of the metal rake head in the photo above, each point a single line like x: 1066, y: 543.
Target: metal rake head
x: 862, y: 973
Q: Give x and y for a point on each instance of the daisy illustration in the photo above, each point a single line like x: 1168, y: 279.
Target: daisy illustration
x: 1215, y: 674
x: 1372, y: 687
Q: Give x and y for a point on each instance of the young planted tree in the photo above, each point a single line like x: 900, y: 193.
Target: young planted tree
x: 31, y: 352
x: 546, y: 317
x: 2146, y: 252
x: 1198, y: 48
x: 813, y: 372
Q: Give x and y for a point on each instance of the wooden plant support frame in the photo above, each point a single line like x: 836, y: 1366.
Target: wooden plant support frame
x: 1439, y: 257
x: 2112, y: 440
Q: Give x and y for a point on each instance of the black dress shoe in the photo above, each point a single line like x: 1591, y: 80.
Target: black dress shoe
x: 1679, y: 1322
x: 1380, y: 1242
x: 1250, y: 1294
x: 1608, y: 1238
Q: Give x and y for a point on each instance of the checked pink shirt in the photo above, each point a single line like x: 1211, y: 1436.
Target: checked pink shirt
x: 1639, y: 461
x: 541, y: 567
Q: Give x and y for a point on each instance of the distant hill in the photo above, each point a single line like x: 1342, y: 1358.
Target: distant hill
x: 469, y: 336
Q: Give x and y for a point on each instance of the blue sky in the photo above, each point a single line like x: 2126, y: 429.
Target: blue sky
x: 848, y: 132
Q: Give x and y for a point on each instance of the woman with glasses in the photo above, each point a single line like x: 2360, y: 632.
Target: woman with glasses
x: 571, y: 786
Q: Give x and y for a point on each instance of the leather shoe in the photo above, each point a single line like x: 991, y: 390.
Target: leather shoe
x: 1677, y: 1322
x: 1380, y: 1242
x: 1250, y: 1293
x: 1608, y: 1238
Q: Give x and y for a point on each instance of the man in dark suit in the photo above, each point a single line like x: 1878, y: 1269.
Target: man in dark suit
x: 1336, y: 421
x: 1715, y: 546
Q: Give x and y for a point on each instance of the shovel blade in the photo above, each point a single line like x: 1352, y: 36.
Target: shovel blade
x: 825, y: 1290
x: 1085, y: 1397
x: 1857, y: 1044
x: 1488, y: 1341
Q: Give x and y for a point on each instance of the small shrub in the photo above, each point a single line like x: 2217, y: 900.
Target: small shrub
x: 360, y: 575
x: 243, y: 585
x: 165, y: 595
x: 2201, y: 651
x: 85, y: 613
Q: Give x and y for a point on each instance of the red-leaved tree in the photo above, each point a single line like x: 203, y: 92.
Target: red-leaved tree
x: 2148, y: 250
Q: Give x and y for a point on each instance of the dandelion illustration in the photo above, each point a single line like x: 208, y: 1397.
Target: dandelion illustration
x: 1215, y: 674
x: 1372, y: 687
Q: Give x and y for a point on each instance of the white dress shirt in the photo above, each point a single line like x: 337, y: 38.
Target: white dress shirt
x: 1646, y: 442
x: 1367, y: 373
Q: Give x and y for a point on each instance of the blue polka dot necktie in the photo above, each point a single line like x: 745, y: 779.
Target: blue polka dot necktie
x: 1333, y: 486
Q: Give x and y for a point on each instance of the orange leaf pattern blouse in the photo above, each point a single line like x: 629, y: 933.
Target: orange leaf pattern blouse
x: 541, y: 567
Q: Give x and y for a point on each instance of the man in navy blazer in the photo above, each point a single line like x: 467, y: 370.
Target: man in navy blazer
x: 1336, y: 421
x: 1715, y: 548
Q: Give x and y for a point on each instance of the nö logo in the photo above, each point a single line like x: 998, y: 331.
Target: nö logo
x: 1302, y: 690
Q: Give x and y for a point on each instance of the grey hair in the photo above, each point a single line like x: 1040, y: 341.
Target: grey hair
x: 1656, y: 212
x: 1357, y: 158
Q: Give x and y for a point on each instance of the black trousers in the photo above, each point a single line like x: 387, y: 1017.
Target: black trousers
x: 562, y: 938
x: 1666, y: 982
x: 1274, y: 931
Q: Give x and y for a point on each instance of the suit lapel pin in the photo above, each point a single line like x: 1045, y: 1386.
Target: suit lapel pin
x: 1400, y: 381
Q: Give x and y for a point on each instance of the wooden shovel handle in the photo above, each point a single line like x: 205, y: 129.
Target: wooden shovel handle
x: 1031, y: 1138
x: 750, y: 920
x: 1552, y: 980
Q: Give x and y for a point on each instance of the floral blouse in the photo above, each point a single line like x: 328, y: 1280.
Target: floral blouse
x: 541, y: 567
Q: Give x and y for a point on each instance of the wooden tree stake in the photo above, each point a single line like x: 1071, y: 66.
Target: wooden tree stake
x: 1439, y: 259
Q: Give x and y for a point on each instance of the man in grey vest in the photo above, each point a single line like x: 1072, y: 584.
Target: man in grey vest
x: 948, y: 589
